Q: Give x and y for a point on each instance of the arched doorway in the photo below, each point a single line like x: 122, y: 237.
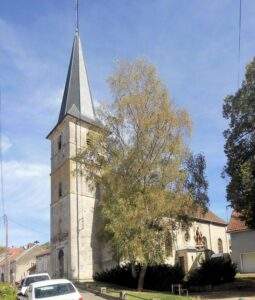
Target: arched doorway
x: 61, y: 263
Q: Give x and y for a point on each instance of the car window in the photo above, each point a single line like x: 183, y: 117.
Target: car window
x: 33, y: 279
x: 54, y: 290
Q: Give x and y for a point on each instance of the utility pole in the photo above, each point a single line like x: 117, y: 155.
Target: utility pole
x: 7, y: 263
x: 5, y: 219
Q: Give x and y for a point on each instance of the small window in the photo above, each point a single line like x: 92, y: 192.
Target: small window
x: 60, y: 142
x: 220, y: 246
x: 187, y: 236
x: 60, y: 189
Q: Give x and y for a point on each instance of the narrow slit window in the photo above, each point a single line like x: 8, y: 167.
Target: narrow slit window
x: 60, y: 189
x: 60, y: 142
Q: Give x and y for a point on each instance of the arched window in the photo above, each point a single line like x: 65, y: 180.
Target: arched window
x: 89, y: 141
x: 61, y: 263
x: 169, y: 244
x: 220, y: 246
x: 204, y: 242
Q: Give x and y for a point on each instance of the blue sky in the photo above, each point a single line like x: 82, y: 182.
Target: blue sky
x: 192, y: 43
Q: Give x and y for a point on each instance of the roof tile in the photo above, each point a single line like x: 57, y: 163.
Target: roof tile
x: 236, y: 224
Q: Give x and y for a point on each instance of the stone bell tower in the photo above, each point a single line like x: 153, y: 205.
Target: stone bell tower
x: 76, y: 254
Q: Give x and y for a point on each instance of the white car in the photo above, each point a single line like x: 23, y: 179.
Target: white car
x: 28, y: 280
x: 56, y: 289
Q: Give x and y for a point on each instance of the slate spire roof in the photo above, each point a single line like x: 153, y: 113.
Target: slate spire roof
x: 77, y: 99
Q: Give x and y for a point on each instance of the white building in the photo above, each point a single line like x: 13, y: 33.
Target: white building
x: 242, y: 244
x: 25, y: 263
x: 189, y: 247
x: 43, y: 262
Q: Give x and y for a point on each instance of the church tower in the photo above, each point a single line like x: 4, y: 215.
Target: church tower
x: 76, y: 254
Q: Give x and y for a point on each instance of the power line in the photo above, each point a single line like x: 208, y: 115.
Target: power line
x: 26, y: 227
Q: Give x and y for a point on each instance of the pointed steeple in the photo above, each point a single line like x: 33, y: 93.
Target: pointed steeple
x: 77, y: 99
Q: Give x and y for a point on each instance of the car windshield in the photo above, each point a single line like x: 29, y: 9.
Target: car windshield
x: 33, y: 279
x: 54, y: 290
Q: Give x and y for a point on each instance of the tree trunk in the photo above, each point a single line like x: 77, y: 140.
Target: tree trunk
x: 134, y: 273
x: 141, y: 278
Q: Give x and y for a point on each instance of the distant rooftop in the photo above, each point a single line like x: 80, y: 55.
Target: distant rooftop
x: 236, y: 224
x: 209, y: 216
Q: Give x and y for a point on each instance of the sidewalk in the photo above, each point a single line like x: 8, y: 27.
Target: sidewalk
x: 227, y: 295
x: 90, y: 296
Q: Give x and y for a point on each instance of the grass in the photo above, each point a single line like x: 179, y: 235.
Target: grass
x: 7, y: 292
x: 114, y: 291
x: 132, y: 295
x: 243, y: 277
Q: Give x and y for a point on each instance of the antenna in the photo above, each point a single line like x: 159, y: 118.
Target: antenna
x: 5, y: 219
x: 77, y: 16
x: 239, y: 42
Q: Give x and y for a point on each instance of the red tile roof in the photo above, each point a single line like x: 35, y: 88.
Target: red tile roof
x: 12, y: 254
x: 235, y: 223
x: 209, y: 216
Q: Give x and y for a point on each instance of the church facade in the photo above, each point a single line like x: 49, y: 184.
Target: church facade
x: 76, y: 250
x: 206, y: 236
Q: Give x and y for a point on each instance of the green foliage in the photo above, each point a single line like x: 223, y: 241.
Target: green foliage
x: 158, y: 277
x: 212, y: 272
x: 196, y: 179
x: 138, y: 163
x: 7, y: 292
x: 239, y: 110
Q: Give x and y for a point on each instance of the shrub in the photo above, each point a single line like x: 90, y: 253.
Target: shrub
x: 120, y: 275
x: 161, y: 277
x: 213, y: 271
x: 158, y: 277
x: 6, y: 291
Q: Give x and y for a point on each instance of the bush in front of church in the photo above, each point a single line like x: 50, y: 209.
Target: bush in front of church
x: 212, y: 272
x: 161, y: 277
x: 158, y: 277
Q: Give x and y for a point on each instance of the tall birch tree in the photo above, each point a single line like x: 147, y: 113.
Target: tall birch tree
x: 138, y: 160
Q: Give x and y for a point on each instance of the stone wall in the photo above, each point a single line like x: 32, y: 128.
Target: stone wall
x: 74, y: 221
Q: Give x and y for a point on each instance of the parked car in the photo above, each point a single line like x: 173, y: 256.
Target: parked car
x: 28, y: 280
x: 56, y: 289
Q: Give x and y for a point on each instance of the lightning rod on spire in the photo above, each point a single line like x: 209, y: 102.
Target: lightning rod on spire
x: 77, y: 16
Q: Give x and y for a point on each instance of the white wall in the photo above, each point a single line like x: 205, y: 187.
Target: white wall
x: 43, y: 264
x: 242, y: 242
